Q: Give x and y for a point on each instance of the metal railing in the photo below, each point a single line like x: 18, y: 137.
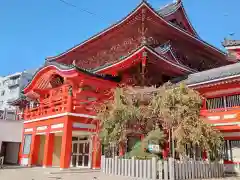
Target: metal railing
x: 1, y: 161
x: 8, y: 115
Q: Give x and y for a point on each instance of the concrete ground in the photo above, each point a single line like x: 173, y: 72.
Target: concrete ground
x: 39, y: 173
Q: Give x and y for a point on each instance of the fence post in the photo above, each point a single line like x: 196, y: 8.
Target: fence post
x: 165, y: 171
x: 115, y: 165
x: 137, y: 168
x: 129, y: 167
x: 149, y: 171
x: 103, y: 162
x: 145, y: 169
x: 122, y: 168
x: 160, y: 169
x: 154, y: 168
x: 222, y: 168
x: 132, y: 167
x: 125, y: 167
x: 171, y: 168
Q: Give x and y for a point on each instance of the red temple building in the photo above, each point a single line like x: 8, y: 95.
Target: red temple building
x: 147, y: 47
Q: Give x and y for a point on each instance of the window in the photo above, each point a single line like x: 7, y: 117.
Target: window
x: 27, y: 144
x: 2, y: 93
x: 215, y: 103
x: 5, y: 82
x: 233, y: 101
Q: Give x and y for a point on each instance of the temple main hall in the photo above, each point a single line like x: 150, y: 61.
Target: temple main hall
x: 148, y: 47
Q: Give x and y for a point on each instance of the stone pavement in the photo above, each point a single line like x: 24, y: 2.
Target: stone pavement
x: 39, y: 173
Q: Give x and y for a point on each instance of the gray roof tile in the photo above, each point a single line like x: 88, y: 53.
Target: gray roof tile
x: 228, y: 42
x: 168, y: 9
x: 212, y: 74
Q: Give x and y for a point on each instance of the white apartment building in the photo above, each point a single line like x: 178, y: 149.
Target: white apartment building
x: 10, y: 126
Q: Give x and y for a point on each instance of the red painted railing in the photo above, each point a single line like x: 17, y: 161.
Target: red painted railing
x: 59, y: 101
x: 223, y: 114
x: 55, y: 102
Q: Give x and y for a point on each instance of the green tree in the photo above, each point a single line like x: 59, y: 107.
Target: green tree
x: 126, y: 113
x: 173, y: 107
x: 179, y: 108
x: 139, y: 151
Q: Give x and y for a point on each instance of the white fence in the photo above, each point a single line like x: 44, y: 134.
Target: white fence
x: 232, y: 168
x: 161, y: 170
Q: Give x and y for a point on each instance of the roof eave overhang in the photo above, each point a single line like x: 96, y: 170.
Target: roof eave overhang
x: 71, y: 72
x: 149, y: 50
x: 180, y: 7
x: 188, y: 21
x: 213, y: 81
x: 42, y: 71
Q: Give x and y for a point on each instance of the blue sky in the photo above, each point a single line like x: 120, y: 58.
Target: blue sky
x: 31, y: 30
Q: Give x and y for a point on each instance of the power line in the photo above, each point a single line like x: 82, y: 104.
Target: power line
x: 81, y: 9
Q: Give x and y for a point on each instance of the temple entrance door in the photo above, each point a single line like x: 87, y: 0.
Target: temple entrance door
x: 81, y: 156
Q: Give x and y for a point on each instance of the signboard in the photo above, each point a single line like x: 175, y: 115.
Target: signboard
x: 153, y: 148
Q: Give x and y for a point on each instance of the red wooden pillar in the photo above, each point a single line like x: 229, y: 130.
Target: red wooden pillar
x: 121, y: 149
x: 48, y: 150
x: 144, y: 62
x: 204, y: 104
x: 21, y: 149
x: 33, y: 156
x: 165, y: 152
x: 66, y: 147
x: 204, y: 155
x: 36, y: 150
x: 96, y: 155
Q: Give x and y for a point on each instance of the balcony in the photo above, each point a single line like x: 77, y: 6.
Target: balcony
x: 8, y: 115
x: 58, y: 101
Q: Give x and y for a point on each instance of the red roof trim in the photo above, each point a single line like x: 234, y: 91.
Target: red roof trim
x: 36, y: 76
x: 186, y: 16
x: 185, y: 68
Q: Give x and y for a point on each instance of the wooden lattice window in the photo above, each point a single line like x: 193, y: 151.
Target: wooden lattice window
x: 215, y: 103
x: 56, y: 81
x: 233, y: 101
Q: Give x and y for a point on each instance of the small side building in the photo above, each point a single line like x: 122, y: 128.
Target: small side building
x: 10, y: 125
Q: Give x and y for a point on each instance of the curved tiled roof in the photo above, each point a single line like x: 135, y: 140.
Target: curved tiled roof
x: 168, y: 9
x: 62, y: 66
x: 84, y: 71
x: 211, y: 75
x: 150, y: 49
